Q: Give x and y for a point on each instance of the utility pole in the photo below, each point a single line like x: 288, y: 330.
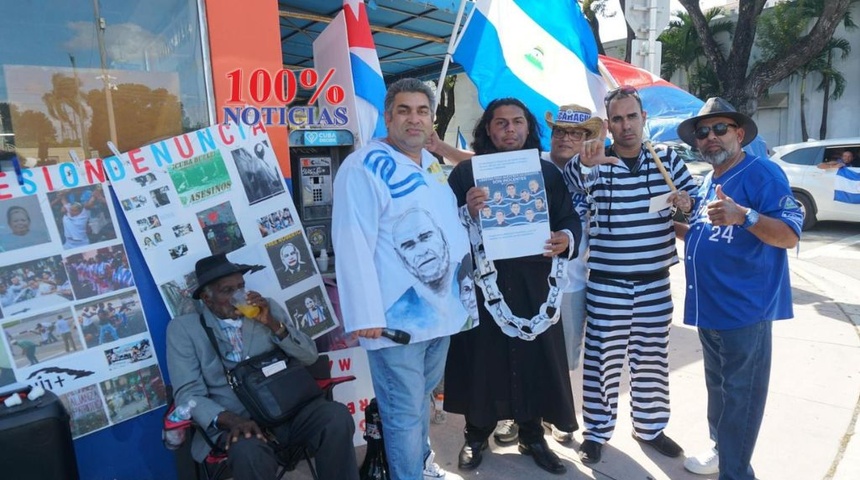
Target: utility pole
x: 100, y: 35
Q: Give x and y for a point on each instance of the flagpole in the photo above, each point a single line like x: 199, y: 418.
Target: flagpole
x: 449, y: 54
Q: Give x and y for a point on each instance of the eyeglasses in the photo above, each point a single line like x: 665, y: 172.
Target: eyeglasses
x: 719, y: 129
x: 624, y: 90
x: 575, y: 135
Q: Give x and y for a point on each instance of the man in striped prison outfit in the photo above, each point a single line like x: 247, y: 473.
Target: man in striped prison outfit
x: 628, y: 299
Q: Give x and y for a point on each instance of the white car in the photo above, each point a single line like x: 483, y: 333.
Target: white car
x: 814, y: 186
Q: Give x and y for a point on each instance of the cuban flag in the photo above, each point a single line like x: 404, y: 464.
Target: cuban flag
x: 540, y: 52
x: 847, y: 186
x: 366, y: 73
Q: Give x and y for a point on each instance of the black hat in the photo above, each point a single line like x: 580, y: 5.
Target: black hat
x: 717, y: 107
x: 215, y: 267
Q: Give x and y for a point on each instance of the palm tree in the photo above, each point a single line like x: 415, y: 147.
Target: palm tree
x: 64, y: 104
x: 831, y: 77
x: 682, y: 50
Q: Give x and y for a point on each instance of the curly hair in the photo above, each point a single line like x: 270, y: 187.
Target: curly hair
x: 484, y: 144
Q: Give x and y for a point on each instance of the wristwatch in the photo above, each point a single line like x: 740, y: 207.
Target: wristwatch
x: 750, y: 219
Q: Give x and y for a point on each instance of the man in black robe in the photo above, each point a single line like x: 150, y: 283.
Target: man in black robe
x: 490, y: 376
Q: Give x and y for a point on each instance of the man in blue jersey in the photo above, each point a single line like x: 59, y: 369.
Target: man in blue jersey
x: 628, y: 299
x: 745, y: 218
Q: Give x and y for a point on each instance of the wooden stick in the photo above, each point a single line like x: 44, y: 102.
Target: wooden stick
x: 661, y: 167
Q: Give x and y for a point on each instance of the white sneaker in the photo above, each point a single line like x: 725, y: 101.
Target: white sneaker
x: 432, y: 470
x: 706, y: 463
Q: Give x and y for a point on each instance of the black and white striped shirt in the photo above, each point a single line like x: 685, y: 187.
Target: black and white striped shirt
x: 626, y: 241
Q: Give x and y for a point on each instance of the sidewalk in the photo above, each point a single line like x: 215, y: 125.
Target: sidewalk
x: 809, y: 421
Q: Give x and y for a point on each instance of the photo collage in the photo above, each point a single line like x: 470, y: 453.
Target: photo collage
x: 68, y: 299
x: 231, y: 200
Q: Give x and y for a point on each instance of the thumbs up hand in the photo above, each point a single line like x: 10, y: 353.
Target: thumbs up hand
x: 593, y: 152
x: 724, y: 210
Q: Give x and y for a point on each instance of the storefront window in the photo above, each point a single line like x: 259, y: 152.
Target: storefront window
x: 75, y: 74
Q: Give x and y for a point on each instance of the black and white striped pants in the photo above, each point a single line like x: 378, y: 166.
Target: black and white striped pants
x: 626, y: 319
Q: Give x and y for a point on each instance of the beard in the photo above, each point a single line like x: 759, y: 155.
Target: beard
x: 718, y: 158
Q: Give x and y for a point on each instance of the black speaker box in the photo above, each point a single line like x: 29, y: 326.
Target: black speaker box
x: 36, y: 441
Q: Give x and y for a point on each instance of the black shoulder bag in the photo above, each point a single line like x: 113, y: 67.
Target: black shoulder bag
x: 269, y: 385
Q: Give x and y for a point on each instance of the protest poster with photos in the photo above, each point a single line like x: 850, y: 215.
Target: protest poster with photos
x: 71, y: 316
x: 220, y: 190
x: 515, y: 220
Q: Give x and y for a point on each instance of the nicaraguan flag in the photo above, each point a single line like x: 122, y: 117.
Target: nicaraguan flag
x: 847, y: 186
x: 461, y: 140
x: 366, y: 74
x: 540, y: 52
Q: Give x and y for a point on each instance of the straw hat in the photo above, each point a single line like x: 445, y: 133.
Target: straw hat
x: 575, y: 116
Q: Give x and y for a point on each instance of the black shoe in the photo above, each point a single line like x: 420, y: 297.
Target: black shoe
x: 663, y: 444
x: 543, y: 456
x: 470, y: 455
x: 589, y: 451
x: 506, y: 432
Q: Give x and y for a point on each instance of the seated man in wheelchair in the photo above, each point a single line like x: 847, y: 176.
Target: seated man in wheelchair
x: 197, y: 373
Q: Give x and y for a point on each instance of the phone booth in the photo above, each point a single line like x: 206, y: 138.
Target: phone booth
x: 315, y: 156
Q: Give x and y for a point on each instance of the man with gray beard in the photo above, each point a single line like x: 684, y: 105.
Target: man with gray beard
x: 744, y: 219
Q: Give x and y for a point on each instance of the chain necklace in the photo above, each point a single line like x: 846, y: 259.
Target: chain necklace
x: 486, y: 277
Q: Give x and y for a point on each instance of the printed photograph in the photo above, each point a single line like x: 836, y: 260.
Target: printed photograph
x: 43, y: 337
x: 135, y: 202
x: 134, y: 393
x: 275, y: 222
x: 110, y: 319
x: 34, y: 285
x: 200, y: 178
x: 514, y: 200
x: 310, y: 313
x: 86, y: 409
x: 145, y: 179
x: 259, y: 172
x: 99, y: 271
x: 22, y: 223
x: 291, y: 259
x: 130, y: 353
x: 178, y: 251
x: 82, y: 216
x: 220, y: 228
x: 7, y: 374
x: 178, y: 294
x: 148, y: 223
x: 160, y: 196
x: 181, y: 230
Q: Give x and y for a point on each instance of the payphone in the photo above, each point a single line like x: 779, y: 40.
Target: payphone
x: 315, y: 156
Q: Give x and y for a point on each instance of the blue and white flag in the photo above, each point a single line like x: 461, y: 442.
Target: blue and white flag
x: 847, y: 186
x: 461, y: 140
x: 366, y: 73
x: 542, y: 53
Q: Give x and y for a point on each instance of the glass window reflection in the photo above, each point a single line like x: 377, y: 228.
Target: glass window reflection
x: 75, y: 74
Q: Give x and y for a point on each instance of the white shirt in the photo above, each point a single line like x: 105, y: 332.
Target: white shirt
x: 393, y: 217
x: 577, y: 268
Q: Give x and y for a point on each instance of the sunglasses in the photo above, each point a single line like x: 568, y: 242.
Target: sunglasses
x: 719, y: 129
x: 624, y: 90
x: 575, y: 135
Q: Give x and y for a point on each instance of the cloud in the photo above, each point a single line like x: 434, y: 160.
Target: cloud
x: 125, y: 43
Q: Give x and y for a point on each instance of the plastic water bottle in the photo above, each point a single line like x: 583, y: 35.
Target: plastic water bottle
x: 323, y: 260
x: 439, y: 415
x: 175, y: 437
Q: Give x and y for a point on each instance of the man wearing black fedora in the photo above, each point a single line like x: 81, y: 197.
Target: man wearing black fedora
x: 744, y: 219
x: 197, y: 373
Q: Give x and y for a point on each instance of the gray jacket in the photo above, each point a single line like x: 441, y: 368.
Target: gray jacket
x: 197, y: 373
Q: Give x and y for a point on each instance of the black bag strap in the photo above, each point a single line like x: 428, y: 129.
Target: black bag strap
x: 211, y: 336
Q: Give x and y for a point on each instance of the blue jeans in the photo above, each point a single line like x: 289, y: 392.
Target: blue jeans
x: 403, y: 377
x: 737, y: 373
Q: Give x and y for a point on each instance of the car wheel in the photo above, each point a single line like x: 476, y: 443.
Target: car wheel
x: 808, y: 209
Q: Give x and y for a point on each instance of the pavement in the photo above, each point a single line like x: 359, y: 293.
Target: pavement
x: 810, y: 428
